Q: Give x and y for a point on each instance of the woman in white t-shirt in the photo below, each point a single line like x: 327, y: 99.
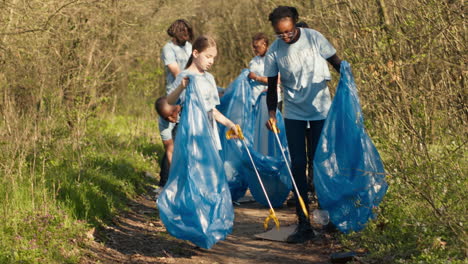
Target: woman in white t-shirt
x: 299, y: 56
x: 174, y: 55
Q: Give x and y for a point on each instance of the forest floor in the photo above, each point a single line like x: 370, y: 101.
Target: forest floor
x: 138, y: 236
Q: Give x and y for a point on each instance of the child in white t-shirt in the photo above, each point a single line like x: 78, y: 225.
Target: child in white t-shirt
x: 257, y: 67
x: 202, y: 58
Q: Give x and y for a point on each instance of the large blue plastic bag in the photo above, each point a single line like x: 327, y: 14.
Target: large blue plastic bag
x: 236, y: 105
x: 349, y: 176
x: 267, y: 156
x: 233, y: 106
x: 196, y: 204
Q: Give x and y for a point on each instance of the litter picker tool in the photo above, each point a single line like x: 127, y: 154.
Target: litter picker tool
x: 272, y: 216
x: 276, y: 132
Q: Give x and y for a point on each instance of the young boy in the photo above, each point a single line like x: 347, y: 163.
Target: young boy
x: 167, y: 111
x: 170, y: 114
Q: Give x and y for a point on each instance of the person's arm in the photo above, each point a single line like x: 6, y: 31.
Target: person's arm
x: 271, y: 70
x: 272, y: 99
x: 223, y: 120
x: 335, y: 61
x: 168, y: 57
x: 169, y: 147
x: 173, y: 96
x: 258, y: 78
x: 174, y: 69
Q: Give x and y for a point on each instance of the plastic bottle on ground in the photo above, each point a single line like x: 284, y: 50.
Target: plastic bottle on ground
x: 321, y: 217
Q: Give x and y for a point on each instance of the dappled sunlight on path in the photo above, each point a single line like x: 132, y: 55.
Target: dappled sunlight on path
x: 138, y: 236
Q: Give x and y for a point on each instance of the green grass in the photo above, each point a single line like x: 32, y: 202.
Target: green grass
x: 62, y: 171
x: 423, y: 216
x: 79, y: 184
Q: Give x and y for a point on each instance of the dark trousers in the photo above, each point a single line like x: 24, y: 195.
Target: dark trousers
x: 302, y: 143
x: 164, y: 173
x: 164, y: 165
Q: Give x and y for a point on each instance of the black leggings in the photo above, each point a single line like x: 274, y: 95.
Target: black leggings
x: 302, y: 142
x: 164, y: 163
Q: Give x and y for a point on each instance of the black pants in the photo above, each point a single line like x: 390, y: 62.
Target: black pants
x: 164, y: 165
x: 302, y: 143
x: 164, y: 173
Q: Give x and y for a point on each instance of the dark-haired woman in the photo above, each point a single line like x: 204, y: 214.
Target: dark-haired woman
x: 175, y: 55
x: 299, y: 56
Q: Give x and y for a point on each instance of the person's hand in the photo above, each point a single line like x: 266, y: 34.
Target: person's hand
x: 253, y: 76
x: 235, y: 130
x: 185, y: 82
x: 232, y: 132
x: 271, y: 123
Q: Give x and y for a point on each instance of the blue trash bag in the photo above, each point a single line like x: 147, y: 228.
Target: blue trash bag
x: 349, y: 176
x: 196, y: 204
x: 233, y: 106
x: 236, y: 105
x: 268, y: 158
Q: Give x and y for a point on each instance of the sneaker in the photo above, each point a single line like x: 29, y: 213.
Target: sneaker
x: 301, y: 235
x: 330, y: 228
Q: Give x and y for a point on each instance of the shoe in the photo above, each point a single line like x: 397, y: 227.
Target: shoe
x: 304, y: 231
x: 330, y: 228
x: 302, y: 234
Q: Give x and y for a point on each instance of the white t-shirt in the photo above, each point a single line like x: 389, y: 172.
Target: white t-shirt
x: 174, y: 53
x: 257, y: 66
x: 206, y: 86
x: 304, y: 74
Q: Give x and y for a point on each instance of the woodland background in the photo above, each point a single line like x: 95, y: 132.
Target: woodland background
x: 78, y: 129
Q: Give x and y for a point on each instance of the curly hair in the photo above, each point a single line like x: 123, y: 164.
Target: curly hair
x: 282, y: 12
x: 179, y: 28
x: 302, y: 24
x: 159, y: 104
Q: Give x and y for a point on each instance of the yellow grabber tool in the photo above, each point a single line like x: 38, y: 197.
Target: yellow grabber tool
x: 276, y: 132
x: 272, y: 216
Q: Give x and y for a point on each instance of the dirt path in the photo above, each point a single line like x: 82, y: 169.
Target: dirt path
x: 138, y: 236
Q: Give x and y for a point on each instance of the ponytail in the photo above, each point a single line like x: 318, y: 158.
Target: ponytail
x: 189, y: 62
x: 200, y: 44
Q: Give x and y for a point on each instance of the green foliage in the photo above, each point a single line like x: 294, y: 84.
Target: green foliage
x: 423, y: 217
x: 74, y: 188
x: 111, y: 169
x: 40, y: 237
x: 78, y: 128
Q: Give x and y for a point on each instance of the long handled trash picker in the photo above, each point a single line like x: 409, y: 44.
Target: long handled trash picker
x: 276, y: 132
x: 272, y: 215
